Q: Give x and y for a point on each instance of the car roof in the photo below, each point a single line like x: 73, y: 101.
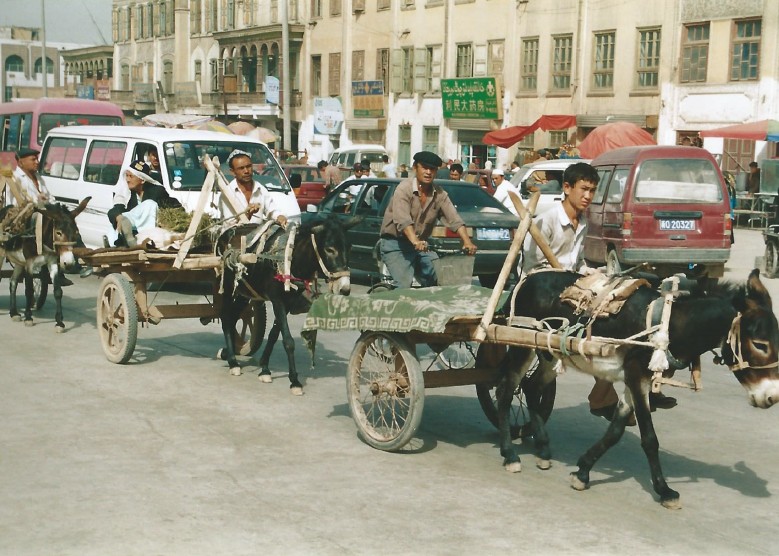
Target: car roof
x: 631, y: 155
x: 159, y: 134
x: 361, y: 147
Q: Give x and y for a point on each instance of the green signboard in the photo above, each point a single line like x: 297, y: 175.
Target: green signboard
x: 470, y: 97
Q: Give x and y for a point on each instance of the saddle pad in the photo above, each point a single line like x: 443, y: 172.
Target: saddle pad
x: 599, y: 295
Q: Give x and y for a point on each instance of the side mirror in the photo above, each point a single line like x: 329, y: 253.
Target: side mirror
x: 312, y: 209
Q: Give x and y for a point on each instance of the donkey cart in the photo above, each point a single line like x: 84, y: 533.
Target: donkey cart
x: 123, y: 300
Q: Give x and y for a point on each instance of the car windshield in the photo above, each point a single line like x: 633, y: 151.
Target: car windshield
x: 685, y: 180
x: 468, y: 198
x: 184, y: 162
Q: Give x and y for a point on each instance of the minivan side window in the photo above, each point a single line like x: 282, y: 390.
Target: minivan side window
x: 617, y: 186
x: 63, y: 157
x: 104, y: 163
x: 604, y: 175
x: 685, y: 180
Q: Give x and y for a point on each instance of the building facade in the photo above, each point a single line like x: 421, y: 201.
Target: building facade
x: 371, y: 71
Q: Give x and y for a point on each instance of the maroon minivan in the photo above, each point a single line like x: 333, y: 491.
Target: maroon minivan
x: 663, y: 205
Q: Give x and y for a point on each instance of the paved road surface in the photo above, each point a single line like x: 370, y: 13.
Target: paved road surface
x: 171, y: 455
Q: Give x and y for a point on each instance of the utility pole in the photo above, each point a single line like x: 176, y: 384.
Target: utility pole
x: 45, y: 70
x: 285, y: 83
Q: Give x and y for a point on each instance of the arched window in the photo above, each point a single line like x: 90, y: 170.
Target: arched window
x: 14, y: 63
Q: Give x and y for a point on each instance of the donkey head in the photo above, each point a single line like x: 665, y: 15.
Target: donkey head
x: 64, y: 234
x: 332, y: 250
x: 752, y: 347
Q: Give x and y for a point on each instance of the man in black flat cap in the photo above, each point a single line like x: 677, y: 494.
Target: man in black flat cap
x: 32, y: 184
x: 411, y: 215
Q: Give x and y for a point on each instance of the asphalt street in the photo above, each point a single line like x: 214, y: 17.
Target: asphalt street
x: 171, y: 455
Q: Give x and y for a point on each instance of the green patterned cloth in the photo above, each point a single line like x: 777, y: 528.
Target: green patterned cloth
x: 401, y: 310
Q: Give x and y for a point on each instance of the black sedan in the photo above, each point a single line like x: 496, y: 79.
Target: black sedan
x: 490, y: 225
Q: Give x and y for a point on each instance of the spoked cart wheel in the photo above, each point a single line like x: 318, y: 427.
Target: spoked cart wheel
x: 250, y: 328
x: 117, y: 318
x: 385, y: 389
x: 490, y: 355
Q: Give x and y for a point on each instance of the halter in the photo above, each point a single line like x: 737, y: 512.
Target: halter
x: 734, y: 343
x: 331, y: 276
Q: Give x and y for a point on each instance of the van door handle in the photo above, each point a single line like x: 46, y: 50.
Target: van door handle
x: 612, y: 225
x: 678, y: 238
x: 67, y: 200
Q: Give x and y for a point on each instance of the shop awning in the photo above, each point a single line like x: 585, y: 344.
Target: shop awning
x: 763, y: 130
x: 509, y: 136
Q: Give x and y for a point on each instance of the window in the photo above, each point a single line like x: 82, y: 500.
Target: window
x: 561, y: 63
x: 63, y: 158
x: 167, y: 77
x: 407, y: 75
x: 464, y: 60
x: 194, y: 15
x: 745, y: 53
x: 695, y: 53
x: 128, y: 24
x: 316, y: 76
x: 39, y: 66
x: 316, y: 8
x: 250, y: 8
x: 495, y: 55
x: 151, y: 21
x: 198, y: 71
x: 334, y: 75
x: 214, y: 66
x: 648, y: 58
x: 138, y: 22
x: 557, y: 138
x: 430, y: 138
x: 228, y: 14
x: 382, y: 68
x: 603, y: 70
x: 529, y: 65
x: 383, y: 5
x: 115, y: 25
x: 125, y: 84
x: 404, y: 144
x: 335, y: 8
x: 163, y: 17
x: 433, y: 68
x: 104, y: 162
x: 358, y: 65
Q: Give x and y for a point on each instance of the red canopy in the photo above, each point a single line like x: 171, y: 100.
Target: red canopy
x: 510, y: 135
x: 613, y: 135
x: 753, y: 131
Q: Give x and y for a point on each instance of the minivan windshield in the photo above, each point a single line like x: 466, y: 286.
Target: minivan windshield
x: 683, y: 180
x: 184, y: 163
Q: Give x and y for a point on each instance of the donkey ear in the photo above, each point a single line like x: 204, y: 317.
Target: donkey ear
x: 81, y: 206
x: 318, y: 229
x: 756, y: 291
x: 352, y: 222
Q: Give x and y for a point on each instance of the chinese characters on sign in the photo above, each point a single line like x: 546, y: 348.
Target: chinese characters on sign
x: 470, y: 97
x: 368, y: 99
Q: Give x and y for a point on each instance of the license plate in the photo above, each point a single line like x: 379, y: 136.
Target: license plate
x: 678, y: 225
x: 492, y: 234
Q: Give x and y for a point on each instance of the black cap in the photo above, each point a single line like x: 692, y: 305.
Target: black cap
x: 357, y: 166
x: 22, y: 153
x: 428, y: 158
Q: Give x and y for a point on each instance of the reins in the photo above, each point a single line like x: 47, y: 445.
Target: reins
x: 734, y: 343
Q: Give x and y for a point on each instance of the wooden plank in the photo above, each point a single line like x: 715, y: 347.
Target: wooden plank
x: 197, y: 216
x: 460, y: 377
x: 188, y: 311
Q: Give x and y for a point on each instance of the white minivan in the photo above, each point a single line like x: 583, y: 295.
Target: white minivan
x: 345, y: 157
x: 79, y: 162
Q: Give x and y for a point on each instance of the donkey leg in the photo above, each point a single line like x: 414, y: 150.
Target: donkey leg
x: 542, y: 380
x: 651, y: 446
x: 513, y: 369
x: 57, y: 274
x: 280, y: 314
x: 231, y: 309
x: 13, y: 283
x: 273, y: 336
x: 29, y: 297
x: 580, y: 479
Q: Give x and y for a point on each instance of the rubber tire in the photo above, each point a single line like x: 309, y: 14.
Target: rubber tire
x: 382, y: 354
x: 771, y: 258
x: 117, y: 318
x: 520, y: 418
x: 250, y: 328
x: 613, y: 266
x: 380, y: 287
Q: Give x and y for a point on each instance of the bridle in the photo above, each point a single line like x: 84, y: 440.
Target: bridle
x: 331, y: 276
x: 734, y: 343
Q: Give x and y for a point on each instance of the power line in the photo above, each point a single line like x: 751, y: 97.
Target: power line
x: 99, y: 31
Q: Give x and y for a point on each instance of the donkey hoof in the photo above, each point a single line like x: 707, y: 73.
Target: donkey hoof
x: 672, y: 504
x: 543, y: 464
x: 265, y: 377
x: 220, y: 354
x: 296, y: 391
x: 59, y: 329
x: 513, y: 467
x: 236, y: 371
x: 29, y: 322
x: 576, y: 483
x: 16, y: 318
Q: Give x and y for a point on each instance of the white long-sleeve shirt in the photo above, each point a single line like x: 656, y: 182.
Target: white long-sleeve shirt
x: 38, y: 194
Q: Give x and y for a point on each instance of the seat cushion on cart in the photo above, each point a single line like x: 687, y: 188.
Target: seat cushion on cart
x: 400, y: 310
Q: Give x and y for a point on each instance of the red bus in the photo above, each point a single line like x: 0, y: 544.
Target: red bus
x: 25, y: 123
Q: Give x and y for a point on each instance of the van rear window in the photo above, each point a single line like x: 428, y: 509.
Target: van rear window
x: 685, y: 180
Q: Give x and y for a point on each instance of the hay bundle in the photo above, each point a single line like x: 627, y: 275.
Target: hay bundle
x: 178, y: 220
